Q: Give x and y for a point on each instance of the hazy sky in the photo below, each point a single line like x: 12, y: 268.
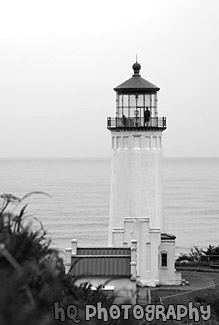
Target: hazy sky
x: 61, y: 59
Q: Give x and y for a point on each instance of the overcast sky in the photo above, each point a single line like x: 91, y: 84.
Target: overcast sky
x: 61, y: 59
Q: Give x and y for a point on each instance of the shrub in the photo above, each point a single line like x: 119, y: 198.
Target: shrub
x: 32, y: 274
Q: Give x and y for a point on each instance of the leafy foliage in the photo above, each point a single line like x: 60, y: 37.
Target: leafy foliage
x: 199, y: 257
x: 194, y: 255
x: 32, y: 274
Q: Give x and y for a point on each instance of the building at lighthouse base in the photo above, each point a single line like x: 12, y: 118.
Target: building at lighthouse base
x: 140, y: 256
x: 152, y: 252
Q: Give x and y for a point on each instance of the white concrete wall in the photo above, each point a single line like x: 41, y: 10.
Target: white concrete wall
x: 147, y: 243
x: 136, y: 185
x: 168, y: 275
x: 117, y: 237
x: 128, y: 231
x: 155, y: 239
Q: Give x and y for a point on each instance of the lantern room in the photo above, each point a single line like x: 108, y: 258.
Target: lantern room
x: 136, y: 104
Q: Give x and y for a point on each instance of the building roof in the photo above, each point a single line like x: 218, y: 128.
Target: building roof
x: 136, y: 84
x: 166, y: 236
x: 101, y: 266
x: 101, y: 262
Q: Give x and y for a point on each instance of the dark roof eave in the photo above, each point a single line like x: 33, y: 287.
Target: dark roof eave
x: 136, y: 90
x: 101, y: 276
x: 136, y: 83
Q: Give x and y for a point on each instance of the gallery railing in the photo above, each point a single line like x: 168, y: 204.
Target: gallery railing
x: 136, y: 122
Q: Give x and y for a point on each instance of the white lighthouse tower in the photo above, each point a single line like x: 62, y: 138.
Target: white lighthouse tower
x: 136, y: 202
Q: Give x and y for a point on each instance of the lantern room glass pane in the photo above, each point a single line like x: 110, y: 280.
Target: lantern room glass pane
x: 140, y: 100
x: 125, y: 100
x: 132, y: 101
x: 148, y: 100
x: 152, y: 100
x: 120, y: 100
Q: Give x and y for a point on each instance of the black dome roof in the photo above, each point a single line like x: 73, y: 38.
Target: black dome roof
x: 136, y: 84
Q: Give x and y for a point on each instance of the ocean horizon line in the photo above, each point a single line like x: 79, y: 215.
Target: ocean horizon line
x: 97, y: 158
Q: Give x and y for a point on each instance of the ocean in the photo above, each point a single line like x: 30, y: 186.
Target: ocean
x: 79, y: 189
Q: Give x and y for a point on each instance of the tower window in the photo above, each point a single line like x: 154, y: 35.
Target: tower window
x: 163, y: 259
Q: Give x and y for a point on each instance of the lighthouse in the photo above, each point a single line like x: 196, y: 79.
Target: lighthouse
x: 136, y: 201
x: 139, y: 250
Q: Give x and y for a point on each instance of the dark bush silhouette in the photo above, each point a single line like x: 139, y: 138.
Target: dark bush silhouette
x: 32, y: 274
